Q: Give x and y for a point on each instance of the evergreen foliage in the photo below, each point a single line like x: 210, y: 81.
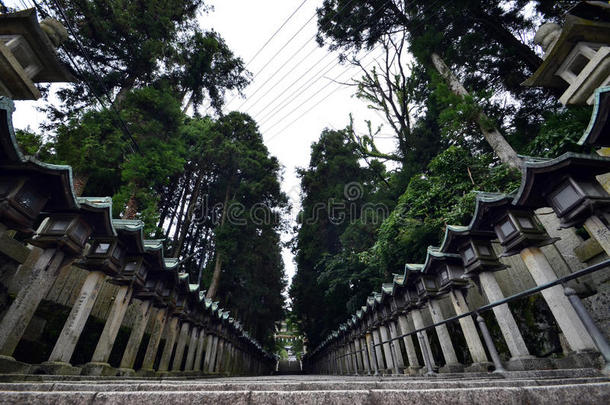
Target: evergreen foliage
x: 441, y: 156
x: 148, y: 62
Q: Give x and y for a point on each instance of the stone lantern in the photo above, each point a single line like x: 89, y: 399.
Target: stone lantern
x: 577, y: 55
x: 167, y: 293
x: 520, y: 233
x: 410, y: 297
x: 66, y: 231
x: 568, y: 185
x: 426, y: 287
x: 397, y: 303
x: 27, y: 54
x: 517, y: 229
x: 447, y: 270
x: 474, y: 248
x: 106, y: 255
x: 480, y: 263
x: 182, y: 307
x: 21, y: 200
x: 154, y: 289
x: 598, y: 131
x: 429, y: 295
x: 135, y: 270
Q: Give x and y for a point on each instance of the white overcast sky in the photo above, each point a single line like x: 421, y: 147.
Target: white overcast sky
x: 294, y: 94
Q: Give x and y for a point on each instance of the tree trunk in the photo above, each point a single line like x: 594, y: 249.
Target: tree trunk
x: 217, y: 266
x: 180, y: 213
x: 188, y: 104
x: 125, y: 88
x: 132, y: 207
x: 176, y: 213
x: 493, y: 137
x: 166, y: 204
x: 188, y: 218
x: 79, y: 182
x: 203, y: 256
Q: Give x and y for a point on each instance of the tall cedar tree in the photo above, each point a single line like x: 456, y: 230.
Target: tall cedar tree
x: 332, y: 230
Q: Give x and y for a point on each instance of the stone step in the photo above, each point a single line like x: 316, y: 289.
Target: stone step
x: 537, y: 374
x: 592, y: 393
x: 287, y: 386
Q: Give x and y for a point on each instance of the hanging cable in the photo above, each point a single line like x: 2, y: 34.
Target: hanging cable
x: 430, y: 6
x: 124, y: 128
x: 292, y: 56
x: 275, y: 33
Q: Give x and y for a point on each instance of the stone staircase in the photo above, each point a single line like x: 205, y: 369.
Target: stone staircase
x: 579, y: 386
x: 286, y: 367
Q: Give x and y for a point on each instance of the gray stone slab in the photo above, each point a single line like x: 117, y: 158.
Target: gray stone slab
x: 310, y: 397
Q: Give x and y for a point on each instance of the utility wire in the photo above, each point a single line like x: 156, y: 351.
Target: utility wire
x: 307, y: 71
x: 297, y: 93
x: 306, y: 56
x: 275, y: 33
x: 312, y: 96
x: 305, y: 112
x: 417, y: 26
x: 277, y: 53
x: 316, y: 63
x: 290, y: 58
x: 125, y: 129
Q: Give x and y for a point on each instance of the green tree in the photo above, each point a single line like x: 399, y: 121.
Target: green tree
x: 334, y: 227
x: 443, y: 195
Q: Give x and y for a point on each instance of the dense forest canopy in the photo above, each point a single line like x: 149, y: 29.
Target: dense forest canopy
x: 449, y: 88
x: 195, y: 180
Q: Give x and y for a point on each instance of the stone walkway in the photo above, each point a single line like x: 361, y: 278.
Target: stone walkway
x: 584, y: 386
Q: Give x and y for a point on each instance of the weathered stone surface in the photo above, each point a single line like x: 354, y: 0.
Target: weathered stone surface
x: 14, y: 249
x: 11, y: 366
x: 598, y: 392
x: 56, y: 367
x: 49, y: 398
x: 310, y: 397
x: 588, y: 250
x: 164, y: 398
x: 101, y: 369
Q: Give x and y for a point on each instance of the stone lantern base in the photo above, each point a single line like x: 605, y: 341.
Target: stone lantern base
x: 146, y: 373
x: 528, y: 363
x: 126, y: 372
x: 56, y: 368
x: 8, y: 365
x: 582, y: 359
x: 482, y: 367
x: 413, y: 371
x: 452, y: 368
x: 98, y: 369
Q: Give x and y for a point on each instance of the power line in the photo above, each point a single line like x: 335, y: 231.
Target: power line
x: 312, y: 96
x: 275, y: 33
x: 278, y: 52
x: 296, y: 93
x: 124, y: 128
x: 292, y: 56
x: 315, y: 63
x: 417, y: 26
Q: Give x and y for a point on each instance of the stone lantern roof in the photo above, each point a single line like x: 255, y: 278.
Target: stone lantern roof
x: 541, y: 175
x: 486, y: 208
x: 456, y: 235
x: 598, y: 131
